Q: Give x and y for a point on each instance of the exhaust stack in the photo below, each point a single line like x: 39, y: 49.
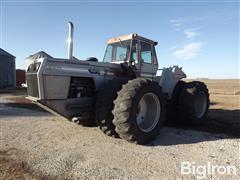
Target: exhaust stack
x: 70, y: 40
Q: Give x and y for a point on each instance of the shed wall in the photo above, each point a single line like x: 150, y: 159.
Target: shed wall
x: 7, y: 71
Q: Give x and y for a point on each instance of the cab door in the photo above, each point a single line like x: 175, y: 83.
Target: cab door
x: 148, y: 60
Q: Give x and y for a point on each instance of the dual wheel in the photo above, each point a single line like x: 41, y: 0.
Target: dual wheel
x: 189, y: 103
x: 136, y: 110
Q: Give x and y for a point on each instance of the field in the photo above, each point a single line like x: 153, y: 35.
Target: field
x: 38, y: 145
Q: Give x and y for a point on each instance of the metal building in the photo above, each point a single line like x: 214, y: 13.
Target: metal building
x: 7, y: 70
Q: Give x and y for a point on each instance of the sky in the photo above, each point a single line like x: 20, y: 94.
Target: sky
x: 200, y: 36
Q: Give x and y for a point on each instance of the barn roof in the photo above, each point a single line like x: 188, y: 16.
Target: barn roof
x: 5, y: 53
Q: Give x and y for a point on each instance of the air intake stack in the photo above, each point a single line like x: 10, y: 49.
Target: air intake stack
x: 70, y: 40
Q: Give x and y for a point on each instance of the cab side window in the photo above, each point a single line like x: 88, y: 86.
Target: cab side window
x: 146, y: 52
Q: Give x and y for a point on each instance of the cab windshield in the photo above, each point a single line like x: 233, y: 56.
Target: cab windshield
x: 118, y: 51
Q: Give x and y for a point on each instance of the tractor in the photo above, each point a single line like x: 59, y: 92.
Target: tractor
x: 123, y: 94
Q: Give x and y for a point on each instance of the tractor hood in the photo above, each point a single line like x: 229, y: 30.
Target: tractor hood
x: 67, y: 87
x: 44, y: 71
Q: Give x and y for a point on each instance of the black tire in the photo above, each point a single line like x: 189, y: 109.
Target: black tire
x: 126, y: 107
x: 105, y: 105
x: 172, y: 104
x: 187, y: 103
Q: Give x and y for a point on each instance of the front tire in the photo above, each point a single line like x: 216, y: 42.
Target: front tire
x: 104, y: 107
x: 139, y: 111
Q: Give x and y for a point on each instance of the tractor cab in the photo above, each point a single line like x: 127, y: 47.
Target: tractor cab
x: 136, y: 51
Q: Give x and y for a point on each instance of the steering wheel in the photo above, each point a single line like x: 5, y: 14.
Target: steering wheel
x: 122, y: 56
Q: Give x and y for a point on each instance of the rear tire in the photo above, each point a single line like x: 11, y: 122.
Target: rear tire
x: 194, y: 103
x: 105, y: 105
x: 139, y: 111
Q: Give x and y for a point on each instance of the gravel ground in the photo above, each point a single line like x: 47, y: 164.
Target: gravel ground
x: 53, y: 148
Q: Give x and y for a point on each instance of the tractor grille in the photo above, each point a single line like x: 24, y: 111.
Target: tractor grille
x: 32, y: 85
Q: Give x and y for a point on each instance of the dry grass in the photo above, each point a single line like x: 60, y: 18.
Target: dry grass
x: 13, y: 168
x: 224, y: 94
x: 223, y: 87
x: 10, y: 169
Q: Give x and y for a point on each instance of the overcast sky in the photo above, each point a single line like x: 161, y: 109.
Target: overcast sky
x: 202, y: 37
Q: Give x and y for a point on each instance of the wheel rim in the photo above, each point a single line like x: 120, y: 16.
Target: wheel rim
x: 200, y: 104
x: 148, y: 113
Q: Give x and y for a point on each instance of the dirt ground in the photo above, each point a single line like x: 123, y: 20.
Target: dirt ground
x: 38, y: 145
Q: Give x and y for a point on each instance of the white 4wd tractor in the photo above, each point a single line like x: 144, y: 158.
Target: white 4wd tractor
x: 122, y: 94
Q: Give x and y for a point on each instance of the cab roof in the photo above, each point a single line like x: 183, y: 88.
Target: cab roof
x: 131, y: 36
